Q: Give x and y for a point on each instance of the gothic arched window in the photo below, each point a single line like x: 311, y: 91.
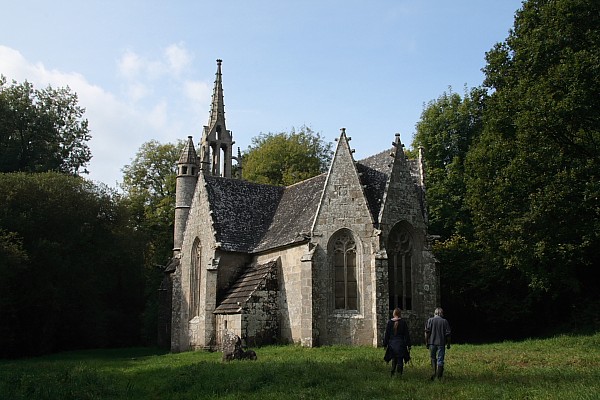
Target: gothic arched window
x: 343, y: 249
x: 399, y: 250
x: 195, y: 279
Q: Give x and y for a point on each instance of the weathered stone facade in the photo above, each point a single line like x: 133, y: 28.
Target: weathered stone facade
x: 320, y: 262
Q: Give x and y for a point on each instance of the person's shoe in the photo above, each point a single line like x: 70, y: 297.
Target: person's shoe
x: 440, y: 371
x: 434, y: 366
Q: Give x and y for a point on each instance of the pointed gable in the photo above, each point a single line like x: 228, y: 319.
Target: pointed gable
x: 343, y: 203
x: 403, y: 197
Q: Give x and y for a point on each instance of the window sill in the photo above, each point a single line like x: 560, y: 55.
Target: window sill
x: 346, y: 314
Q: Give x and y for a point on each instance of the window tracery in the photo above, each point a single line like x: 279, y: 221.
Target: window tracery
x: 400, y: 249
x: 345, y: 271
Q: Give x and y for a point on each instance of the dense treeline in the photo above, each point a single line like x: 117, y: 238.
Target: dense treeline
x: 70, y: 266
x: 514, y: 179
x: 77, y: 260
x: 149, y: 195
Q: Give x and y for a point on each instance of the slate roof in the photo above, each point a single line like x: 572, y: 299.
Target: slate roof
x: 374, y: 174
x: 240, y: 292
x: 242, y: 211
x: 295, y: 214
x: 250, y: 217
x: 188, y: 154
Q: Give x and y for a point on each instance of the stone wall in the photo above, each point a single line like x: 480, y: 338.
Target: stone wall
x: 226, y: 323
x: 179, y: 341
x: 186, y: 185
x: 291, y: 285
x: 260, y: 322
x: 343, y: 206
x: 403, y: 204
x: 198, y: 228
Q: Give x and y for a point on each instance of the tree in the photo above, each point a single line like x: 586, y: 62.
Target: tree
x: 42, y: 130
x: 485, y: 300
x: 70, y: 266
x: 447, y: 128
x: 149, y: 183
x: 534, y: 184
x: 286, y: 158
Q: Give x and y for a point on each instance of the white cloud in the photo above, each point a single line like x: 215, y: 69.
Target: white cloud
x: 174, y: 60
x: 14, y: 66
x: 156, y: 69
x: 130, y: 64
x: 158, y: 116
x: 178, y: 58
x: 198, y: 93
x: 137, y: 91
x: 141, y: 74
x: 120, y: 124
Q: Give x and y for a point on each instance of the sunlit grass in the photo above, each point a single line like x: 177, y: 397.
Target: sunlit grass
x: 564, y: 367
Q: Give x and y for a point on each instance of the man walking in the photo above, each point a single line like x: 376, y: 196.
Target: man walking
x: 437, y: 338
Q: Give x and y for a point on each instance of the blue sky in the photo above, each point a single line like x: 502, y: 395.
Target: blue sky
x: 145, y: 69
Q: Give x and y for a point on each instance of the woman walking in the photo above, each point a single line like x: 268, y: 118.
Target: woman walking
x: 397, y: 341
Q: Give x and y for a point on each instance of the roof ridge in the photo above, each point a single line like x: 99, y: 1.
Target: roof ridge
x: 305, y: 180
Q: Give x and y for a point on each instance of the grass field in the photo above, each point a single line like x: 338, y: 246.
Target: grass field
x: 564, y: 367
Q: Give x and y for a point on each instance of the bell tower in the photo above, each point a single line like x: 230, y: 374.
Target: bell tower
x: 217, y: 142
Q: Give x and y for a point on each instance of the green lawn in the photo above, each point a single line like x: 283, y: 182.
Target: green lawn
x: 564, y: 367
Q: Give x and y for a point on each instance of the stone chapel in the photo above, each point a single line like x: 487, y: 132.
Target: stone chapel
x: 320, y: 262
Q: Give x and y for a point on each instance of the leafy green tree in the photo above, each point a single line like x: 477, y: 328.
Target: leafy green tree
x: 149, y: 184
x: 448, y: 127
x: 534, y: 184
x: 70, y: 266
x: 286, y: 158
x: 42, y: 130
x: 446, y: 130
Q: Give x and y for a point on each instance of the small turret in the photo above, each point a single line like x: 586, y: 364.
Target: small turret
x: 187, y: 177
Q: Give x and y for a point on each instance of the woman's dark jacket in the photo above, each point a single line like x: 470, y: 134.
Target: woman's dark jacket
x: 397, y: 341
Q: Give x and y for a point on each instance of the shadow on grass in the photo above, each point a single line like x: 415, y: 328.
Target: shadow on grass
x: 284, y: 372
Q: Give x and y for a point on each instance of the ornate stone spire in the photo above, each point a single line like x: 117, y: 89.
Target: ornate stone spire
x: 217, y: 109
x: 217, y: 141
